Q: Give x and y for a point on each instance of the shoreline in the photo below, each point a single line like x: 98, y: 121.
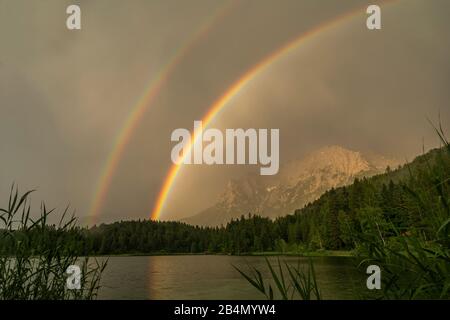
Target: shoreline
x: 312, y: 254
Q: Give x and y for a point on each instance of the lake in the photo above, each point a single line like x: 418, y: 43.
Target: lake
x: 213, y: 277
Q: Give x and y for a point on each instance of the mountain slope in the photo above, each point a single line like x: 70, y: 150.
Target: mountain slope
x: 298, y: 183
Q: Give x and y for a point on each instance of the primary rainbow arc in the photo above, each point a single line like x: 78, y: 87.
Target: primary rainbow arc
x: 236, y: 87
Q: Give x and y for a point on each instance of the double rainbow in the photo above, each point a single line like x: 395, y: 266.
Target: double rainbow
x: 160, y: 80
x: 154, y: 87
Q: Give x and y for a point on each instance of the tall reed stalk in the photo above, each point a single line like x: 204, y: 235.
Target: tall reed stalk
x: 298, y: 283
x: 34, y: 256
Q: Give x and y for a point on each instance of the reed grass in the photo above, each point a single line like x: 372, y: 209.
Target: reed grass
x: 34, y: 255
x: 415, y: 263
x: 298, y: 283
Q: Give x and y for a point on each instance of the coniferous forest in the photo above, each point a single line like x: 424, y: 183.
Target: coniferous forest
x: 401, y: 201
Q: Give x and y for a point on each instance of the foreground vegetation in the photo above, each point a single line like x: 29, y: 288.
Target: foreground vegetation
x: 35, y: 257
x: 290, y: 282
x: 414, y: 257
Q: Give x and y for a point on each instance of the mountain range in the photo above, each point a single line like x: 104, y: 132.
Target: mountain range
x: 298, y: 183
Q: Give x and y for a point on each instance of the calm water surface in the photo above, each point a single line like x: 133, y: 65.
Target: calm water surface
x: 213, y: 277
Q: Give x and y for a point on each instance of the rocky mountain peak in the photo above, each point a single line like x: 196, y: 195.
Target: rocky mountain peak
x: 298, y: 182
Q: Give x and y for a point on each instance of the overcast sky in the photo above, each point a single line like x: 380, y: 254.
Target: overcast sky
x: 64, y: 95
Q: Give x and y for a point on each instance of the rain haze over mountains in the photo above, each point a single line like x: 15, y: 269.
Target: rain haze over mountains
x: 298, y: 183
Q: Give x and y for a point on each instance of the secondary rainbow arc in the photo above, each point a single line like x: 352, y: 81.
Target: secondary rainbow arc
x: 153, y: 89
